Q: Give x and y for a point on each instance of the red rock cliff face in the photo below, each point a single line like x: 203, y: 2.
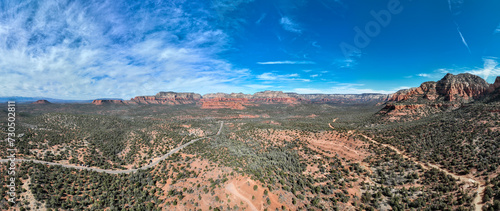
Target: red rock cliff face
x: 427, y: 89
x: 465, y: 86
x: 167, y: 98
x: 462, y: 87
x: 276, y: 97
x: 240, y: 100
x: 495, y: 85
x: 41, y: 102
x: 451, y: 92
x: 107, y: 102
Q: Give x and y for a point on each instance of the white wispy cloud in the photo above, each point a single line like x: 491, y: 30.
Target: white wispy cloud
x: 488, y: 71
x: 425, y: 75
x: 267, y: 76
x: 93, y: 49
x: 347, y: 63
x: 287, y: 62
x: 278, y: 77
x: 497, y: 30
x: 259, y: 86
x: 289, y: 25
x: 490, y: 68
x: 261, y: 18
x: 315, y: 44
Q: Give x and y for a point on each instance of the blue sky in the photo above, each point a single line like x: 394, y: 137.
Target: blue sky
x: 120, y: 49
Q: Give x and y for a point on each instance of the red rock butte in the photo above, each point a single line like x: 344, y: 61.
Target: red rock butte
x: 452, y: 91
x: 41, y: 102
x: 104, y: 102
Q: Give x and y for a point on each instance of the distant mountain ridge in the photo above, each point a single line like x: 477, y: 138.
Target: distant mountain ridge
x: 240, y: 100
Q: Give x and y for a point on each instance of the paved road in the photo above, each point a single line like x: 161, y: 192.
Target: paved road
x: 110, y: 171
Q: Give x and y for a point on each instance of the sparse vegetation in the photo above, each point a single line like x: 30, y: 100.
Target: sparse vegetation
x: 283, y: 157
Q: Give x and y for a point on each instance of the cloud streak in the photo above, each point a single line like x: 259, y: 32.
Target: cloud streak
x: 453, y: 5
x: 277, y: 77
x: 462, y: 36
x: 286, y: 62
x: 91, y: 49
x: 290, y: 25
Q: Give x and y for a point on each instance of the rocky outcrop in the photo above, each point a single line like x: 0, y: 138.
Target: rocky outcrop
x: 240, y: 100
x: 494, y: 90
x: 108, y: 102
x: 427, y: 90
x: 451, y: 92
x: 345, y: 97
x: 227, y: 96
x: 167, y: 98
x: 41, y: 102
x: 495, y: 85
x: 272, y: 94
x: 178, y: 95
x: 461, y: 88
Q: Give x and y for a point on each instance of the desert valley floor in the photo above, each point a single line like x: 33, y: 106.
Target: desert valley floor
x: 272, y: 156
x: 418, y: 150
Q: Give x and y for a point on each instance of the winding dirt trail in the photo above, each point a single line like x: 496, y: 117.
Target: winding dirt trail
x: 110, y: 171
x: 480, y: 190
x: 231, y: 188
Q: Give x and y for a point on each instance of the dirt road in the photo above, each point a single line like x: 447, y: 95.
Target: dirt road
x: 110, y: 171
x: 480, y: 190
x: 231, y: 188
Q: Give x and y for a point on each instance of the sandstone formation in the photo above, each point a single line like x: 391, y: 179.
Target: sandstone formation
x: 451, y: 92
x: 41, y: 102
x: 345, y: 97
x: 494, y: 90
x: 107, y: 102
x: 462, y: 87
x: 226, y: 96
x: 495, y: 85
x: 169, y: 98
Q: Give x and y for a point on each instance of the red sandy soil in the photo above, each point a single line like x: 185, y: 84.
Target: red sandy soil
x: 330, y: 143
x: 236, y: 191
